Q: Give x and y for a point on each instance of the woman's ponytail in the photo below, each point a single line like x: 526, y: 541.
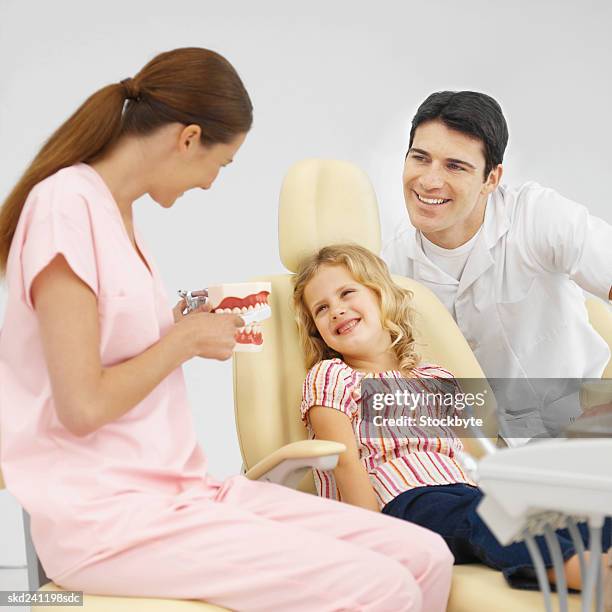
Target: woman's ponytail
x: 95, y: 125
x: 187, y: 86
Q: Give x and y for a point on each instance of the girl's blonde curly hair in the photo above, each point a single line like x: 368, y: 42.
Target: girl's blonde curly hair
x: 396, y: 311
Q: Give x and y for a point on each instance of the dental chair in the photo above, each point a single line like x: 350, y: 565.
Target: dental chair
x: 324, y: 202
x: 600, y: 317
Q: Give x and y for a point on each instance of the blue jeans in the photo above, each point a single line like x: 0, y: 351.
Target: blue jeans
x: 450, y: 510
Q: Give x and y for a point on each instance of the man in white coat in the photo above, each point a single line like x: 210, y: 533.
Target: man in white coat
x: 509, y: 264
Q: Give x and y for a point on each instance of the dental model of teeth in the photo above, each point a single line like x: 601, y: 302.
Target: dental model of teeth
x: 250, y: 301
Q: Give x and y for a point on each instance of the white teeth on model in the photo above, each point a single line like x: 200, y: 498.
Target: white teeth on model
x: 244, y: 309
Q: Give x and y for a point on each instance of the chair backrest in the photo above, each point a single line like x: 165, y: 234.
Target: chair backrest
x: 600, y: 318
x: 324, y: 202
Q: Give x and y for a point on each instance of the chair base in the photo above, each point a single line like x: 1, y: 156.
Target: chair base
x: 477, y: 587
x: 102, y: 603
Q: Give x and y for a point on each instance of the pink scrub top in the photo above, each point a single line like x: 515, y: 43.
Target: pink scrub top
x: 90, y: 497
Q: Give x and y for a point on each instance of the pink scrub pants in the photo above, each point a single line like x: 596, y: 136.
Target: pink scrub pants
x: 254, y: 546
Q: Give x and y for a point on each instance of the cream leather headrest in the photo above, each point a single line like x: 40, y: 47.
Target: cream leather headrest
x: 322, y: 202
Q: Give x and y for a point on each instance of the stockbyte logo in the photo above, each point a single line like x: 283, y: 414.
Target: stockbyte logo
x: 523, y: 408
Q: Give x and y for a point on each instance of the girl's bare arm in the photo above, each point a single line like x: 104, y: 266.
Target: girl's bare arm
x: 351, y: 477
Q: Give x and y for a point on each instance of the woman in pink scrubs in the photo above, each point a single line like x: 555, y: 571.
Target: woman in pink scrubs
x: 97, y: 440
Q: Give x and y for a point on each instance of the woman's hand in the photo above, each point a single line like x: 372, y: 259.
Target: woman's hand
x: 180, y: 306
x: 208, y: 334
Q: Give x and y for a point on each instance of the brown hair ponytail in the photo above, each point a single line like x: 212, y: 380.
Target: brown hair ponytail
x: 189, y: 86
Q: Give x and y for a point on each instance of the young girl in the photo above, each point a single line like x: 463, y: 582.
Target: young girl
x: 98, y: 443
x: 355, y: 329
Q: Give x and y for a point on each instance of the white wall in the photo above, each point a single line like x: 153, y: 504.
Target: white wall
x: 327, y: 79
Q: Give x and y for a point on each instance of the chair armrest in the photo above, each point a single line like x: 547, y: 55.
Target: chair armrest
x: 288, y: 464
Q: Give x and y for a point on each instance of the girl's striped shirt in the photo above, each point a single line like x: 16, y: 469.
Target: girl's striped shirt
x: 396, y: 458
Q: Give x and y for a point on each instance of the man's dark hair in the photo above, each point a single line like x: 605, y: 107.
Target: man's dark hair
x: 471, y: 113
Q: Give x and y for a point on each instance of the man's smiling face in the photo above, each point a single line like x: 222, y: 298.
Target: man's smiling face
x: 444, y: 185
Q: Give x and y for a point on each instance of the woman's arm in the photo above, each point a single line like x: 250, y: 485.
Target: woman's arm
x: 88, y: 395
x: 351, y: 477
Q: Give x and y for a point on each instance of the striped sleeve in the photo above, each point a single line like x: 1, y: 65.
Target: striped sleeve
x: 442, y: 381
x: 329, y: 383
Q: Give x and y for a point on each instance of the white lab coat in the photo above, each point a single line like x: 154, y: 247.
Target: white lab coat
x: 518, y: 301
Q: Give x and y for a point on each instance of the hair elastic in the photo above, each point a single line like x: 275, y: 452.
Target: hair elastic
x: 130, y: 89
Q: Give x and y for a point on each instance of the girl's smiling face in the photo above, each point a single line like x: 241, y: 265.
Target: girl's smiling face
x: 345, y: 312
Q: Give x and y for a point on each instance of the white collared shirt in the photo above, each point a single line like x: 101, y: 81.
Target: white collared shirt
x: 451, y: 261
x: 518, y: 301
